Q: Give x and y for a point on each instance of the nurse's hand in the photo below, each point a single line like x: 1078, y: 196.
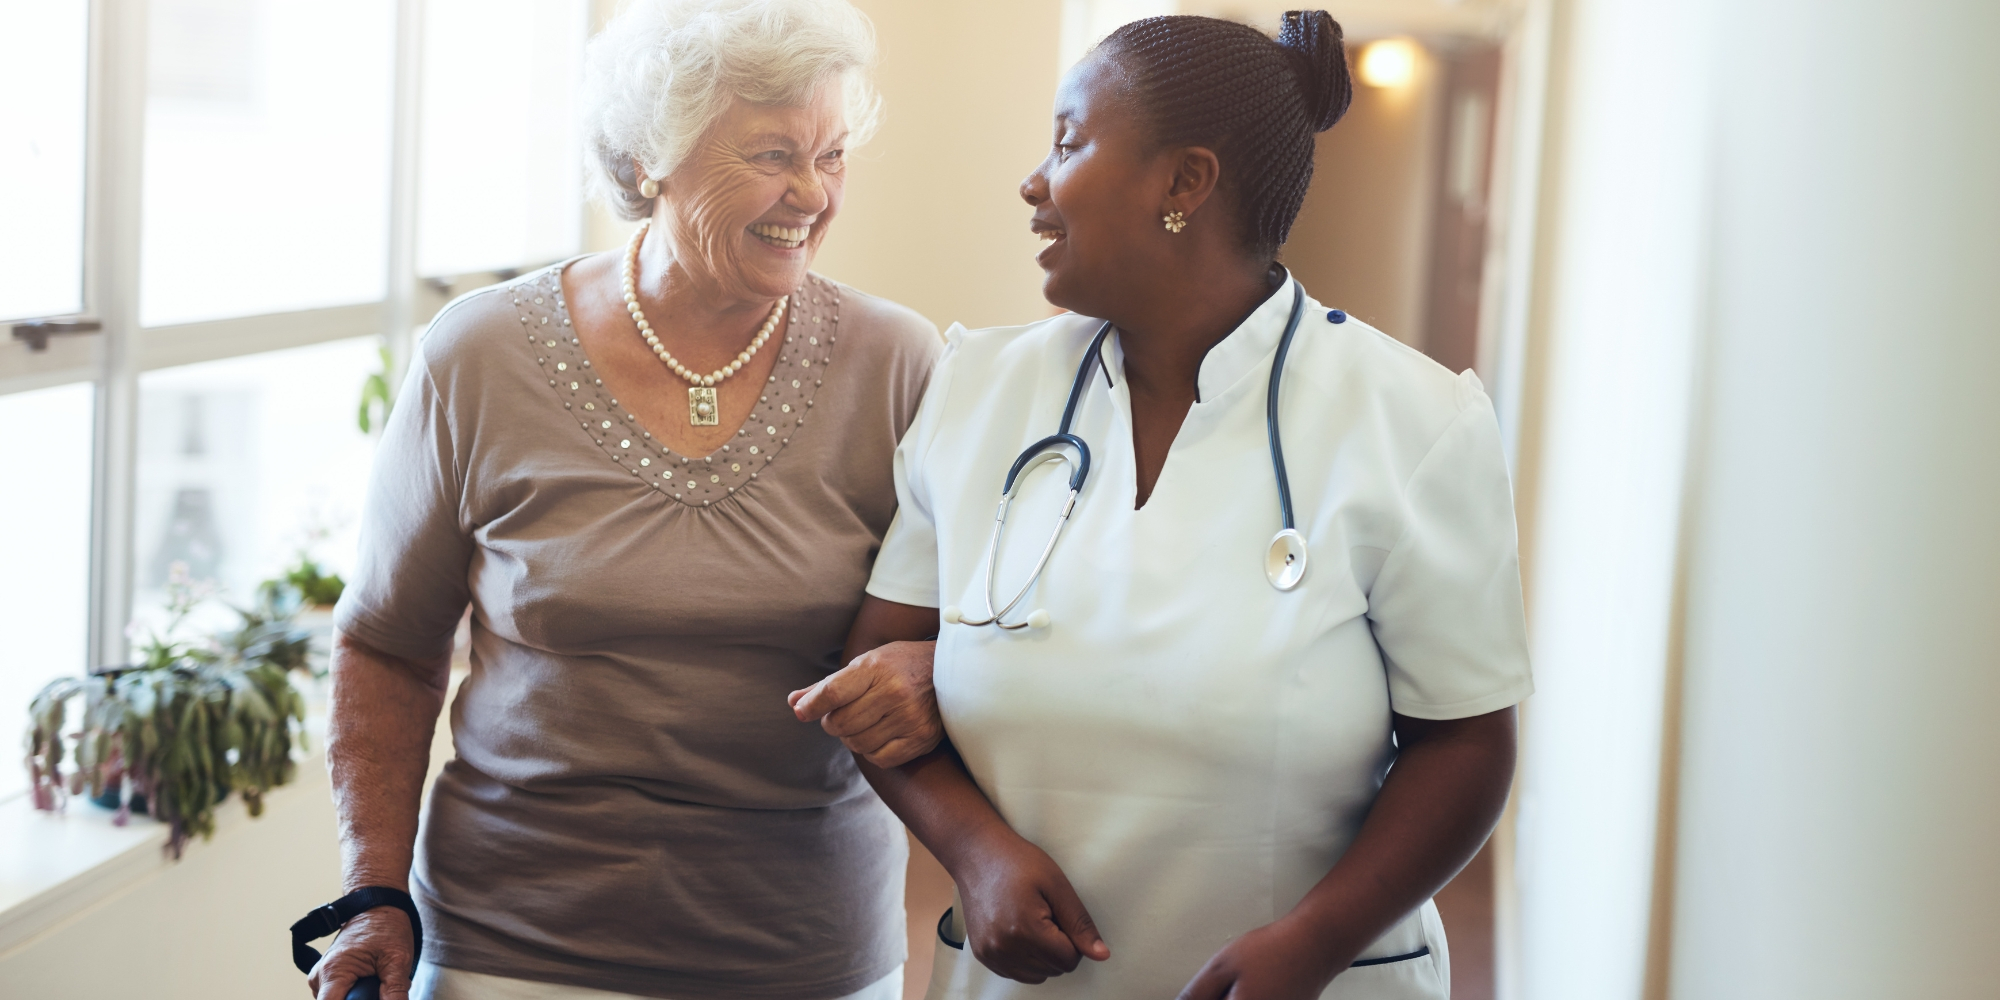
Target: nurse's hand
x: 880, y: 705
x: 1278, y: 961
x: 1023, y: 919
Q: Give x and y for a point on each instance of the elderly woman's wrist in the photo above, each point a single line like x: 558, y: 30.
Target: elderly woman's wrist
x: 387, y: 872
x: 362, y: 880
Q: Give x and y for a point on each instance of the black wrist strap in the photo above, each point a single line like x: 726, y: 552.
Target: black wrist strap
x: 333, y: 916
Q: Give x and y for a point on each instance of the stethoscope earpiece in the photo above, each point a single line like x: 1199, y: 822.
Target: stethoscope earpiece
x: 1038, y: 618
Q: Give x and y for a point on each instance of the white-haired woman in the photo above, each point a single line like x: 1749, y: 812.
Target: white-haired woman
x: 658, y: 477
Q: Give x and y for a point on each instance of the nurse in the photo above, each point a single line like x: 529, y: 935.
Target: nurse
x: 1181, y: 779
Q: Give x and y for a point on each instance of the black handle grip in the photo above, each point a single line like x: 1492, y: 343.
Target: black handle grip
x: 365, y: 988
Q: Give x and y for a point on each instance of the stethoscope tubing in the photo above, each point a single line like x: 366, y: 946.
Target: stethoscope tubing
x: 1048, y: 449
x: 1271, y: 406
x: 993, y: 551
x: 1034, y: 455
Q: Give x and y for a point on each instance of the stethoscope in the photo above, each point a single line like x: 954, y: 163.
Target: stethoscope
x: 1284, y: 560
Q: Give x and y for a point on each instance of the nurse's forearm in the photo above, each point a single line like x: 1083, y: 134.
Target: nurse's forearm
x: 1439, y: 804
x: 1023, y: 919
x: 933, y: 794
x: 880, y: 622
x: 942, y: 806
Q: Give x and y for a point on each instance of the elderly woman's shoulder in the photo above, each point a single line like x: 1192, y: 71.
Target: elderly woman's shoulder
x: 477, y: 315
x: 469, y: 327
x: 877, y: 323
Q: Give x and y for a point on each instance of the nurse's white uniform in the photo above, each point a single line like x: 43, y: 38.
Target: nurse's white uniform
x: 1192, y: 746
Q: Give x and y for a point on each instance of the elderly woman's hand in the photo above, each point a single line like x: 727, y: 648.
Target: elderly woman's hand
x: 377, y: 943
x: 880, y: 705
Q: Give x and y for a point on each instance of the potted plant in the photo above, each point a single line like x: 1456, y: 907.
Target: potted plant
x: 317, y: 588
x: 194, y: 720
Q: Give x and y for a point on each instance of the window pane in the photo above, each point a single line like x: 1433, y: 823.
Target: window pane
x: 45, y: 440
x: 267, y: 156
x: 43, y: 45
x: 501, y: 183
x: 246, y: 463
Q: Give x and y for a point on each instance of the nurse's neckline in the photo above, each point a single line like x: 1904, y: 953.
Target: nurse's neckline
x: 1278, y: 278
x: 1158, y: 412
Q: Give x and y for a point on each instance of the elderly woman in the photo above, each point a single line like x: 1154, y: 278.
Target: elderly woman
x: 659, y: 478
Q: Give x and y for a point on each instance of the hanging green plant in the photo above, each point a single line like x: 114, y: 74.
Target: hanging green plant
x: 193, y: 721
x: 376, y: 398
x: 315, y: 585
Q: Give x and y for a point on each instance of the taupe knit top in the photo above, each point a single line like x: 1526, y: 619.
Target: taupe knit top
x: 632, y: 806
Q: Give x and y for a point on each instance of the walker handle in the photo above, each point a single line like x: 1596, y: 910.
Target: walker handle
x: 326, y: 921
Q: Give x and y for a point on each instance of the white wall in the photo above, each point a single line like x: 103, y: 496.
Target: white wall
x: 1618, y: 324
x: 211, y: 927
x: 1086, y: 22
x: 1774, y: 235
x: 1840, y: 813
x: 1362, y: 240
x: 933, y: 217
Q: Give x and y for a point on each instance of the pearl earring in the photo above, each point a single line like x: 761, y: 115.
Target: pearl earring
x: 1176, y: 221
x: 649, y: 188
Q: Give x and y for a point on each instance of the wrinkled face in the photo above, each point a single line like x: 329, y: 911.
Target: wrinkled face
x: 746, y: 211
x: 1097, y: 195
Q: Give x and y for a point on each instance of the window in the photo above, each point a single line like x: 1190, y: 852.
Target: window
x: 496, y: 73
x: 45, y: 570
x: 214, y: 221
x: 266, y: 157
x: 42, y: 58
x: 247, y: 463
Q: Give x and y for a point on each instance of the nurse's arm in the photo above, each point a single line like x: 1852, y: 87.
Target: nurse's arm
x: 1438, y: 805
x: 881, y: 704
x: 1023, y: 918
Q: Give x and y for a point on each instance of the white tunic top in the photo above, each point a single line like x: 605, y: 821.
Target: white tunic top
x: 1192, y: 746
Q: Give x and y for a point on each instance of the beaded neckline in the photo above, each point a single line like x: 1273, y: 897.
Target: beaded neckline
x: 810, y: 331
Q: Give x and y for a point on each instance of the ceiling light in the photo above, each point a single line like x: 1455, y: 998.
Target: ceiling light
x: 1391, y: 62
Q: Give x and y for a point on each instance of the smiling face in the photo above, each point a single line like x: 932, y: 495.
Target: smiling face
x: 746, y: 211
x: 1098, y: 195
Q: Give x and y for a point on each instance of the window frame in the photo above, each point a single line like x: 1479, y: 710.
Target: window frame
x: 115, y: 356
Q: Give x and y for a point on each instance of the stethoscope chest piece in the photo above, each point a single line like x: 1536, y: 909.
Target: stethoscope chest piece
x: 1285, y: 561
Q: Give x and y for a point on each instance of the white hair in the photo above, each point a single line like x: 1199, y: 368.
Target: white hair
x: 663, y: 71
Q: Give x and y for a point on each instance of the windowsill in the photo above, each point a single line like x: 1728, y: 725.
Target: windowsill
x: 56, y: 865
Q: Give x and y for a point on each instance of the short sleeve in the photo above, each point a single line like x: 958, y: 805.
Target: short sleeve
x: 906, y: 568
x: 411, y: 583
x: 1446, y: 607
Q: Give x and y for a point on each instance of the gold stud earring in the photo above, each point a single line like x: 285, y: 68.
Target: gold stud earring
x: 1176, y: 221
x: 649, y: 188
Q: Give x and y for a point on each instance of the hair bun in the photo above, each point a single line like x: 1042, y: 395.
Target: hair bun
x: 1313, y: 38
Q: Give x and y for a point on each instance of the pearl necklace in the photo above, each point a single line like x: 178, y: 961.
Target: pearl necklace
x: 703, y: 408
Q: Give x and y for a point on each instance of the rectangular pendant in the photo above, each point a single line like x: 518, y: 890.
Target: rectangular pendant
x: 702, y: 407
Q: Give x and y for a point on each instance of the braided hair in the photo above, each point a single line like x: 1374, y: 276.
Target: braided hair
x: 1200, y: 81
